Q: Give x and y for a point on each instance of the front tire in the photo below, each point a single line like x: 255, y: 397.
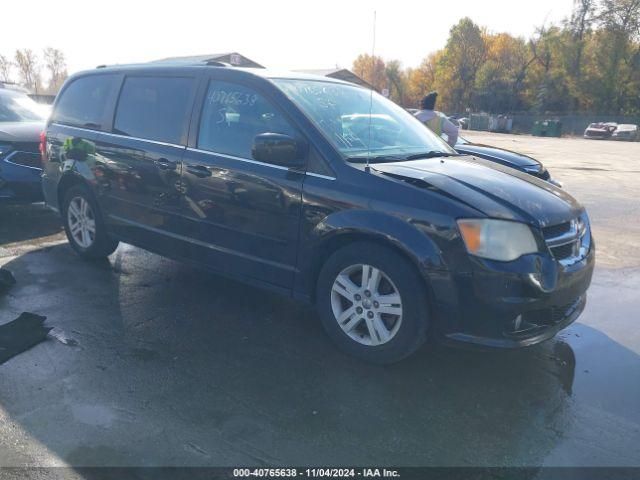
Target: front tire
x: 84, y: 226
x: 372, y: 302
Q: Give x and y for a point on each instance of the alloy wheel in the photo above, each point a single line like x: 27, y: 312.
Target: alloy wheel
x: 82, y: 222
x: 366, y: 304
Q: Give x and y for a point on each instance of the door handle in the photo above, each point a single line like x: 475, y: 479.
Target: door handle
x: 164, y: 164
x: 199, y: 171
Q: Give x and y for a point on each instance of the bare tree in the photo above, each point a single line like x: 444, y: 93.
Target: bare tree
x: 56, y: 66
x: 621, y: 15
x: 29, y: 69
x: 622, y: 19
x: 581, y: 19
x: 6, y: 66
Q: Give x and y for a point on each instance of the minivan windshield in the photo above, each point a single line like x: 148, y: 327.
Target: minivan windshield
x: 18, y: 107
x: 361, y: 124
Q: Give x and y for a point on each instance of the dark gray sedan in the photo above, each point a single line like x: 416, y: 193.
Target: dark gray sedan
x: 519, y: 161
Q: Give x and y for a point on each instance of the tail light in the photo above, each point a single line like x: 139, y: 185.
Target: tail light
x: 43, y: 146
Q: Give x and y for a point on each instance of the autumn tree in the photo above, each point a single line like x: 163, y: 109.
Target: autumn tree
x: 421, y: 80
x: 589, y: 62
x: 464, y: 54
x: 500, y: 81
x: 372, y: 69
x: 547, y: 76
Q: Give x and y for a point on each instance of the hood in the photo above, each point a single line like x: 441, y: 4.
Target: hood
x: 506, y: 157
x: 21, y: 131
x: 494, y: 190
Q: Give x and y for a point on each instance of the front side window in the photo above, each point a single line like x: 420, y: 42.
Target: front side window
x: 359, y: 122
x: 154, y: 108
x: 233, y: 115
x: 83, y: 103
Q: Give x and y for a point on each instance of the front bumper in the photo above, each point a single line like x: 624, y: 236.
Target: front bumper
x: 504, y: 304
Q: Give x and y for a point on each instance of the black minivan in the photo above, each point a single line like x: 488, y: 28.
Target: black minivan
x: 322, y: 190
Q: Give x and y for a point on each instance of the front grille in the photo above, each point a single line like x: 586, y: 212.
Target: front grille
x: 563, y: 252
x: 536, y: 321
x: 565, y: 240
x: 556, y: 230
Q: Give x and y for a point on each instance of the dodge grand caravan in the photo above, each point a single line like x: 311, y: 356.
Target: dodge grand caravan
x: 281, y: 181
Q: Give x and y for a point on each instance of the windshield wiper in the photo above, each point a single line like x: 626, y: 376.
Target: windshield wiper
x: 376, y: 159
x: 431, y: 154
x: 402, y: 158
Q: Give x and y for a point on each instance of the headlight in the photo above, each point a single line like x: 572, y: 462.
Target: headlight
x: 497, y: 239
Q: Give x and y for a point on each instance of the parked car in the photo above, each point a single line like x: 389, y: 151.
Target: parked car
x: 600, y: 131
x: 262, y: 177
x: 455, y: 121
x: 521, y: 162
x: 627, y: 133
x: 21, y: 122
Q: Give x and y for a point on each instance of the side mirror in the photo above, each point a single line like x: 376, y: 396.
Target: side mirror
x: 278, y: 149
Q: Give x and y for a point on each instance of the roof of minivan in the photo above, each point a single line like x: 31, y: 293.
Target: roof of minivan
x: 258, y: 72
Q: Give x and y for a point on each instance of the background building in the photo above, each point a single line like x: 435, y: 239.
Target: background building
x: 232, y: 58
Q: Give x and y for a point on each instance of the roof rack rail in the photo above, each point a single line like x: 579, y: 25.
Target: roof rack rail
x: 101, y: 66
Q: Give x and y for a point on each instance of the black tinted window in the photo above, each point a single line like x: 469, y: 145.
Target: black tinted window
x: 233, y: 115
x: 153, y: 108
x: 84, y: 101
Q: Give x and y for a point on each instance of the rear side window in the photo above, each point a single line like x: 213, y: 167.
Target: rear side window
x: 154, y: 108
x: 83, y: 103
x: 233, y: 115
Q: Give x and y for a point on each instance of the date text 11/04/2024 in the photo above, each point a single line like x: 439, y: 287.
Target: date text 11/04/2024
x: 315, y: 473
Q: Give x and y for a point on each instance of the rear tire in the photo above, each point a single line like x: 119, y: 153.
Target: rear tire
x: 381, y: 320
x: 84, y: 225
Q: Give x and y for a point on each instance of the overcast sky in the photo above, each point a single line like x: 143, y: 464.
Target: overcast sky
x: 280, y: 34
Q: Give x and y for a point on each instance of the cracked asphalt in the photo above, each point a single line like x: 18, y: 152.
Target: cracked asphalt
x: 153, y: 363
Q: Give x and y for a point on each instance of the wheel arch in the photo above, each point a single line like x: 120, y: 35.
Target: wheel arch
x: 385, y: 230
x: 68, y: 180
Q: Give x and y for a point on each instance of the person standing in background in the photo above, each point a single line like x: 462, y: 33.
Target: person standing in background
x: 436, y: 121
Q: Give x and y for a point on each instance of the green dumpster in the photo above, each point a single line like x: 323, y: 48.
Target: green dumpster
x: 537, y: 128
x: 547, y: 128
x: 479, y: 122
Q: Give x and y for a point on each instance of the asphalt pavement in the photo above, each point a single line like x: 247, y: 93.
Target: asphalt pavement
x: 154, y: 363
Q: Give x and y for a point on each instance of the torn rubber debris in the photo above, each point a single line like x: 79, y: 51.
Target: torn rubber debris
x: 21, y: 334
x: 7, y: 280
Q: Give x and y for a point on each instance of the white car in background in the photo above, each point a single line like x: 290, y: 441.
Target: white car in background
x: 627, y: 133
